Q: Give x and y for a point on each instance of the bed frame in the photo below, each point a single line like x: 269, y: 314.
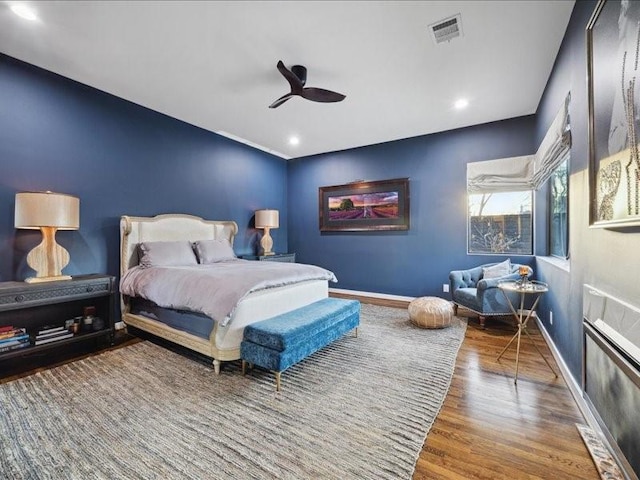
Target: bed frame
x: 224, y: 342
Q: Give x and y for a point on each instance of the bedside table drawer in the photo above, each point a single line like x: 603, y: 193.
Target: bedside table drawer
x: 15, y: 295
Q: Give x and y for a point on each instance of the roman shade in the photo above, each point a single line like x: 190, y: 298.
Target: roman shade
x: 502, y: 175
x: 528, y: 172
x: 554, y: 147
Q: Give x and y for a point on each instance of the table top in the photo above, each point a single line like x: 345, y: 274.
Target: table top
x: 530, y: 286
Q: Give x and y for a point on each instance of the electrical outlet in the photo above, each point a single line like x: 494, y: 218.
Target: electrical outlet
x: 445, y: 287
x: 550, y: 318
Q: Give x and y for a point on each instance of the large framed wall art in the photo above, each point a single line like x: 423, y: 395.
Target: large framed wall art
x: 613, y: 67
x: 362, y: 206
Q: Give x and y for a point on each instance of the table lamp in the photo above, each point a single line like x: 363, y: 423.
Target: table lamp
x: 48, y: 212
x: 267, y: 219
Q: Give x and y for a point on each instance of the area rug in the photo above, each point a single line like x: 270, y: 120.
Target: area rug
x: 360, y: 408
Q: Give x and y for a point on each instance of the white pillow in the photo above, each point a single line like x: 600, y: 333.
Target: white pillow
x: 499, y: 270
x: 166, y: 254
x: 213, y: 251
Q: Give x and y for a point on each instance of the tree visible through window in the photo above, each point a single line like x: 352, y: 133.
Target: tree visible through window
x: 501, y: 223
x: 559, y: 212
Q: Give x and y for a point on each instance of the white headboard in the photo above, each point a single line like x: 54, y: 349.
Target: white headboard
x: 169, y: 227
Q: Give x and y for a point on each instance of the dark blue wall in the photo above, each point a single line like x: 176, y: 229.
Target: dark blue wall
x: 119, y: 158
x: 416, y: 262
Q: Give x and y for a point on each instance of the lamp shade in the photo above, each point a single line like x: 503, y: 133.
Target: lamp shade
x: 267, y: 219
x: 47, y: 209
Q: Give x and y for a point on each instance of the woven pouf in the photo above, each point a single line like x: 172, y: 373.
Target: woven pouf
x: 431, y: 312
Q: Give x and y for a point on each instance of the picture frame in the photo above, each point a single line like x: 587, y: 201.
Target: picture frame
x: 365, y: 206
x: 613, y: 107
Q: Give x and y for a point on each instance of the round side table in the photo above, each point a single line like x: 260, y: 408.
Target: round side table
x: 524, y: 288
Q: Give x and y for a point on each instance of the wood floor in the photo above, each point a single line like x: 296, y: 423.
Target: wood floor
x: 490, y: 428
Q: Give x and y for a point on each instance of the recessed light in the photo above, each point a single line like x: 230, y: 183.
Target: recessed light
x: 461, y: 103
x: 24, y: 11
x: 293, y: 140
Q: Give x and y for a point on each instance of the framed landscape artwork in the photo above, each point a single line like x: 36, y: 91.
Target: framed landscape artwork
x: 613, y: 50
x: 362, y: 206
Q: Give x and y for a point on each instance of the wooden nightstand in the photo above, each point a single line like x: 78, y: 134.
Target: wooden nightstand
x: 277, y: 257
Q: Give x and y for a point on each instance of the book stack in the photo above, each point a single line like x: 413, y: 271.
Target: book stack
x: 13, y: 338
x: 52, y: 334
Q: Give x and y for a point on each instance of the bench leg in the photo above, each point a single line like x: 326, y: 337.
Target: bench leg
x: 356, y: 331
x: 246, y: 366
x: 216, y: 366
x: 277, y: 374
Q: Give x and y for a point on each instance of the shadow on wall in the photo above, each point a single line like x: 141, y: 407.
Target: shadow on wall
x: 251, y: 237
x: 23, y: 242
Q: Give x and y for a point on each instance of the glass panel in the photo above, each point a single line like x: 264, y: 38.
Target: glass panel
x: 559, y: 211
x: 501, y: 223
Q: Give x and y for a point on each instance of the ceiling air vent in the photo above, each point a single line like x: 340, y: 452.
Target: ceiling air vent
x: 447, y: 29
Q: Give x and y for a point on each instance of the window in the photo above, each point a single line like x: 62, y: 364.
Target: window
x: 559, y: 211
x: 501, y: 223
x: 500, y: 195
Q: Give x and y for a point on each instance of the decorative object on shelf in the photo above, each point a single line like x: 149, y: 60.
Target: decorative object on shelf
x: 523, y: 271
x: 48, y: 212
x: 88, y: 319
x: 98, y: 324
x: 87, y: 323
x: 75, y: 326
x: 267, y: 219
x: 361, y: 206
x: 612, y: 70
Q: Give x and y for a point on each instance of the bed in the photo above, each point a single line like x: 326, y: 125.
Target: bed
x: 223, y: 342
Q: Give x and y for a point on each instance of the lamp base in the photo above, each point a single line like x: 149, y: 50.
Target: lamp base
x: 266, y: 242
x: 48, y: 258
x: 47, y: 279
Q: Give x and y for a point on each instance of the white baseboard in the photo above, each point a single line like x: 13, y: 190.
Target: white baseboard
x: 382, y: 296
x: 574, y: 387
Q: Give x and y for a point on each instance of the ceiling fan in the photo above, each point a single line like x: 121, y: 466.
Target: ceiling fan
x: 297, y: 77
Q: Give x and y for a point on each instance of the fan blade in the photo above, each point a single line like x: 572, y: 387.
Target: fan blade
x: 294, y: 81
x: 322, y: 95
x: 281, y: 100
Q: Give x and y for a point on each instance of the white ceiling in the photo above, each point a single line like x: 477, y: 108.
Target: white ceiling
x: 213, y: 64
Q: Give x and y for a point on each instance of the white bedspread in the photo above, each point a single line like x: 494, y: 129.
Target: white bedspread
x: 215, y: 289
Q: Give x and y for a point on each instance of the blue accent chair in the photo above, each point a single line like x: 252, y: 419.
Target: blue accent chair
x: 483, y: 296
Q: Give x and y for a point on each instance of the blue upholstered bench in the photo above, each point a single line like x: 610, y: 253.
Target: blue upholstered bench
x: 281, y: 341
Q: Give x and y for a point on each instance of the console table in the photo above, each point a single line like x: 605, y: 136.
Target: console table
x: 523, y: 288
x: 34, y: 306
